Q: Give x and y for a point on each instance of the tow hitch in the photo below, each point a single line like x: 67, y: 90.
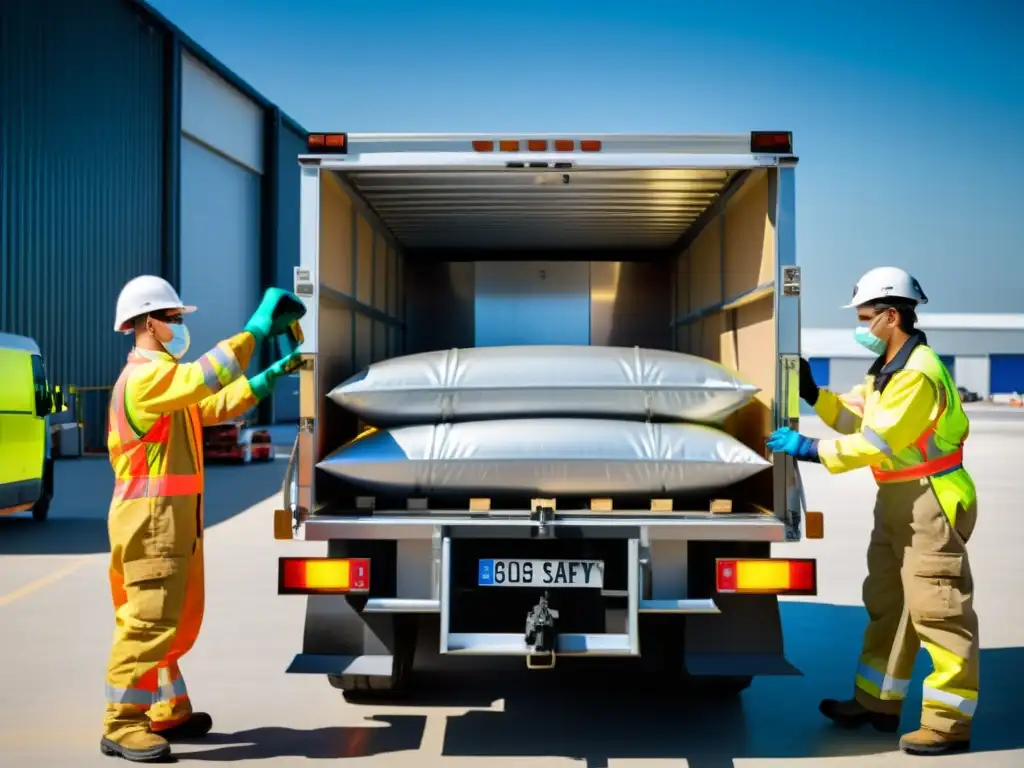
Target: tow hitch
x: 540, y: 635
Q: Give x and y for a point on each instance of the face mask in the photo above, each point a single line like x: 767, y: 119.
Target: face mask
x: 868, y: 340
x: 178, y: 345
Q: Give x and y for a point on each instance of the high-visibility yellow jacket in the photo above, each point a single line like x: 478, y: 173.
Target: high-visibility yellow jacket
x: 157, y: 411
x: 905, y: 422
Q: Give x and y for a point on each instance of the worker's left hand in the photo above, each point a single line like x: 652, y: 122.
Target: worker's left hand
x: 801, y: 447
x: 263, y: 383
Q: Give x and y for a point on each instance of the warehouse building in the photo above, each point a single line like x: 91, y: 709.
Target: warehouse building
x: 984, y: 352
x: 127, y: 149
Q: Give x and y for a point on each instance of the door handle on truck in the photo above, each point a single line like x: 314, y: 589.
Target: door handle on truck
x: 286, y: 520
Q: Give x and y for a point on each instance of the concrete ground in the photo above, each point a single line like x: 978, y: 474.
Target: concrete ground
x: 55, y: 626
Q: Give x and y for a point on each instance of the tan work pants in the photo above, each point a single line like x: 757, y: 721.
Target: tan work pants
x: 919, y: 591
x: 158, y: 603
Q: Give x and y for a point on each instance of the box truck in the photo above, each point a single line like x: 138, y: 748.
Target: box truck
x: 413, y: 243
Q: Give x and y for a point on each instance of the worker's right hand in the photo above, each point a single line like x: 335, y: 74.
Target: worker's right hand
x: 263, y: 383
x: 808, y: 386
x: 276, y: 312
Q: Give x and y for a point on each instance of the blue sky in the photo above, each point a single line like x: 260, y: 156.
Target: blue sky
x: 908, y: 116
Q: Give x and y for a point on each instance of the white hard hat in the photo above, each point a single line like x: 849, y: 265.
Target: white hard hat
x: 886, y: 283
x: 143, y: 295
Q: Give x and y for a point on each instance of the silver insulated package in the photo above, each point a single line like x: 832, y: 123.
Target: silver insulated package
x: 557, y: 420
x: 496, y: 382
x: 551, y: 456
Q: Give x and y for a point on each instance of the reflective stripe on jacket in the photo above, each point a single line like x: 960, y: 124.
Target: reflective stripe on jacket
x: 157, y: 411
x: 906, y: 422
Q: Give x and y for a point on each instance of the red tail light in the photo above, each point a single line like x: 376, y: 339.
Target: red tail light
x: 766, y: 577
x: 322, y: 576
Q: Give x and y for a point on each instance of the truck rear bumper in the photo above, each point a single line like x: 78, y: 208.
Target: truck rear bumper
x: 399, y: 605
x: 710, y: 634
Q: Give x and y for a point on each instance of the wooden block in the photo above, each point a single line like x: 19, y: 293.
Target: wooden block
x: 721, y: 506
x: 480, y: 505
x: 601, y: 505
x: 814, y: 525
x: 547, y: 503
x: 416, y: 505
x: 661, y: 505
x: 366, y: 502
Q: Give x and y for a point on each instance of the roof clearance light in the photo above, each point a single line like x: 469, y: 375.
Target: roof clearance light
x: 508, y: 145
x: 328, y: 143
x: 322, y: 575
x: 590, y: 145
x: 766, y: 577
x: 564, y: 145
x: 771, y: 142
x: 483, y: 146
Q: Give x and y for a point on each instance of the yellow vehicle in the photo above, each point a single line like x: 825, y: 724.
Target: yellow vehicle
x: 26, y: 465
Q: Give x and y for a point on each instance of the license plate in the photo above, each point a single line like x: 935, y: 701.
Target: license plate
x: 541, y: 573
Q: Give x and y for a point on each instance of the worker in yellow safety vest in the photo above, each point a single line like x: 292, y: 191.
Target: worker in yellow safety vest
x: 158, y: 409
x: 907, y: 424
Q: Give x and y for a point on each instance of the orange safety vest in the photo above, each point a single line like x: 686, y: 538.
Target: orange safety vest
x: 140, y: 475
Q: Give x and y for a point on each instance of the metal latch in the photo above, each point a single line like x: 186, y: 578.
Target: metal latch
x: 303, y: 282
x: 542, y: 514
x: 791, y: 281
x: 540, y: 635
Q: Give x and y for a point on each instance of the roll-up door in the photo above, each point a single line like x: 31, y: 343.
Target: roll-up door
x: 1006, y: 374
x: 950, y: 362
x: 221, y: 168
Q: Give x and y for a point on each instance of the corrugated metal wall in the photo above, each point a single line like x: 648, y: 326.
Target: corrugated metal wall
x: 289, y: 146
x: 81, y: 153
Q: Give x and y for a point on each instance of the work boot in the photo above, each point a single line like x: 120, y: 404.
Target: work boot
x: 197, y: 726
x: 925, y: 741
x: 138, y: 747
x: 852, y: 714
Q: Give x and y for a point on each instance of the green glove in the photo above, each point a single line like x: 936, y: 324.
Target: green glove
x: 276, y: 312
x: 263, y: 383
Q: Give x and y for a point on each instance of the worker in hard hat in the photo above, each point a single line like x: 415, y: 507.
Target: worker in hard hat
x: 158, y: 409
x: 907, y: 424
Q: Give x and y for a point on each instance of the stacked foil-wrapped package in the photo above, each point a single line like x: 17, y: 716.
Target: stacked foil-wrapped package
x: 567, y: 420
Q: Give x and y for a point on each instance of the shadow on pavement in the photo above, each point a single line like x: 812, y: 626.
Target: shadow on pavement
x: 82, y: 489
x: 598, y: 717
x: 392, y: 733
x: 600, y: 712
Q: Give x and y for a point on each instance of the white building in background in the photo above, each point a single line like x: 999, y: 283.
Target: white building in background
x: 984, y: 352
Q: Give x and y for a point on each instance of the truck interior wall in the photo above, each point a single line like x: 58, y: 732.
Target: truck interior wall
x: 360, y: 307
x: 725, y: 308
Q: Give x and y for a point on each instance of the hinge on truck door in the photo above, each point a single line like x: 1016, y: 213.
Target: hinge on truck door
x: 791, y: 281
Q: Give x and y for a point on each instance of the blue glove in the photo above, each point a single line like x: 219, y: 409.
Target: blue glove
x: 785, y: 440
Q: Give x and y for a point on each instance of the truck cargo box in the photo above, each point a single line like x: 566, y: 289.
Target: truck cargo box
x: 422, y: 243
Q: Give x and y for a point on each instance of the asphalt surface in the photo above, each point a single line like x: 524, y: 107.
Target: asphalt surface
x: 56, y: 623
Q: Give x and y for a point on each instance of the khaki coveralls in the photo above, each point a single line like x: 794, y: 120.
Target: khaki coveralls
x: 157, y: 411
x: 907, y: 423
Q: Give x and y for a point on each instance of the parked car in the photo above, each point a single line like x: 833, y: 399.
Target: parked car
x: 234, y: 441
x: 967, y: 396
